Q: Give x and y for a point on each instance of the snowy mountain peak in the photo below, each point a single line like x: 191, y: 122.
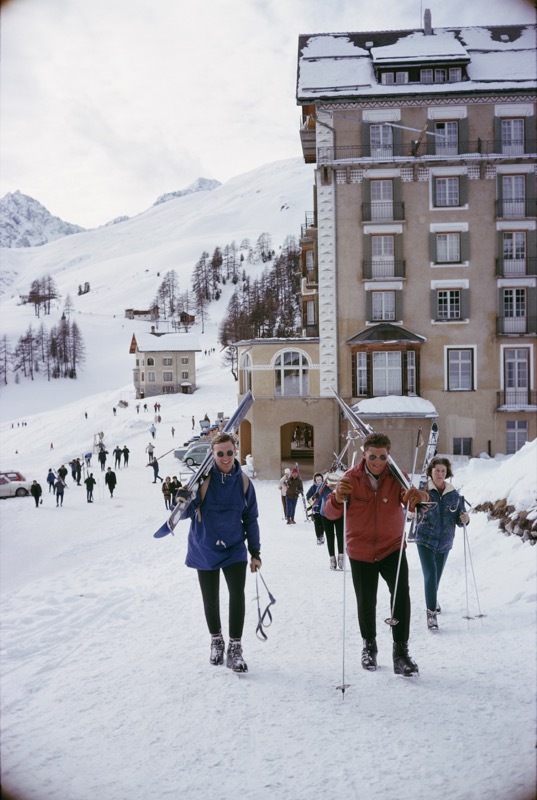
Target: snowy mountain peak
x: 199, y: 185
x: 24, y: 222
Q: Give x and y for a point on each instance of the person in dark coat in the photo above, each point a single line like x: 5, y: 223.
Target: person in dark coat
x: 102, y: 458
x: 167, y: 491
x: 435, y: 532
x: 51, y: 480
x: 314, y: 503
x: 118, y: 452
x: 59, y: 488
x: 110, y: 480
x: 223, y: 530
x: 78, y: 471
x: 156, y: 468
x: 90, y: 483
x: 126, y: 453
x: 36, y: 491
x: 293, y: 492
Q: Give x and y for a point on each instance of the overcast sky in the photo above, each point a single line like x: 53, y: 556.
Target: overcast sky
x: 107, y: 104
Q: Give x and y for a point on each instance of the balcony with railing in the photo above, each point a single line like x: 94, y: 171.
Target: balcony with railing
x: 512, y: 399
x: 425, y: 151
x: 308, y: 228
x: 516, y: 326
x: 516, y: 267
x: 381, y: 270
x: 520, y: 208
x: 383, y: 211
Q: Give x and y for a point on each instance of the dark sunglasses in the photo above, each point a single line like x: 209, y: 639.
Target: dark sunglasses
x: 373, y: 457
x: 221, y: 454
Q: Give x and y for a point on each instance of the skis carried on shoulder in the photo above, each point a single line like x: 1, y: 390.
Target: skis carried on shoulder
x: 189, y: 491
x: 429, y: 453
x: 364, y: 429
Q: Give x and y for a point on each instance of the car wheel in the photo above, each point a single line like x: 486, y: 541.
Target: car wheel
x: 189, y: 461
x: 21, y: 493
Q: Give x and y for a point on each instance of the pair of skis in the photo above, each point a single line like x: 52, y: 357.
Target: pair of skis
x: 190, y: 490
x: 424, y: 481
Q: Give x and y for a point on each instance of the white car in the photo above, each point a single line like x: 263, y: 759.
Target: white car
x: 16, y: 488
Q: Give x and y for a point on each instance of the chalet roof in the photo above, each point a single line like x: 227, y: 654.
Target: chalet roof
x: 384, y: 333
x: 342, y: 65
x: 174, y: 342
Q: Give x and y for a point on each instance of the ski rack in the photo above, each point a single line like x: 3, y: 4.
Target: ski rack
x: 190, y: 490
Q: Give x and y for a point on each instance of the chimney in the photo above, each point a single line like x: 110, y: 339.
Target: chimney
x: 427, y: 22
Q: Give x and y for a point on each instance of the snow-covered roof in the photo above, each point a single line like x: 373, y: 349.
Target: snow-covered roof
x: 396, y: 406
x: 175, y: 342
x: 337, y: 65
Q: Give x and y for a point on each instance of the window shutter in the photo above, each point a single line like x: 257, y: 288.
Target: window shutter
x: 366, y: 143
x: 369, y: 362
x: 497, y: 135
x: 397, y: 138
x: 463, y: 135
x: 434, y: 304
x: 432, y: 247
x: 529, y: 135
x: 501, y: 310
x: 531, y: 295
x: 530, y: 195
x: 463, y: 190
x: 435, y: 204
x: 531, y: 250
x: 398, y: 305
x: 366, y: 201
x: 398, y: 255
x: 431, y: 140
x: 367, y: 246
x: 465, y: 303
x: 369, y: 306
x: 465, y: 245
x: 397, y: 199
x: 499, y: 189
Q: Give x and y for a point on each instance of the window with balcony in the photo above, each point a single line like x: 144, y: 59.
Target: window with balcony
x: 512, y: 137
x: 516, y: 370
x: 513, y: 309
x: 381, y: 140
x: 381, y: 249
x: 513, y: 253
x: 512, y: 195
x: 516, y: 435
x: 446, y: 138
x: 291, y: 374
x: 381, y: 200
x: 460, y: 370
x: 450, y: 305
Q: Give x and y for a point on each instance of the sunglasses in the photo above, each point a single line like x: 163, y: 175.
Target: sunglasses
x: 221, y: 454
x: 373, y: 457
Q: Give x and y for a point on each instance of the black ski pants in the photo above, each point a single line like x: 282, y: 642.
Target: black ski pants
x: 209, y: 581
x: 365, y: 578
x: 333, y: 527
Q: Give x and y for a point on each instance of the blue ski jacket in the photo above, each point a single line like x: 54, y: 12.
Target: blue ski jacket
x: 436, y: 530
x: 223, y: 522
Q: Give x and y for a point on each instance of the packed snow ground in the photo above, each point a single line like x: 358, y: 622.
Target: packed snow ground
x: 107, y: 689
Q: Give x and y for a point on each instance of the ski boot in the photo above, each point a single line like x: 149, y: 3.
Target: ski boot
x: 432, y: 622
x: 234, y: 658
x: 217, y: 649
x: 333, y: 562
x: 369, y: 655
x: 403, y: 664
x: 340, y: 561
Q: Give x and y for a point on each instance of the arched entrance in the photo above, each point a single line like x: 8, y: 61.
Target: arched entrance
x: 297, y: 446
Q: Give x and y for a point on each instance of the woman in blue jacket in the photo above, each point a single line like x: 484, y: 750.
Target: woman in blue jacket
x: 436, y: 531
x: 223, y: 517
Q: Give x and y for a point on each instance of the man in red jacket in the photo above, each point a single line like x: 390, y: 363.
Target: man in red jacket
x: 375, y: 520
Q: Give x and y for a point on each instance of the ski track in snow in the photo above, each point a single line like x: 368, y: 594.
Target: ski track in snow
x: 107, y: 687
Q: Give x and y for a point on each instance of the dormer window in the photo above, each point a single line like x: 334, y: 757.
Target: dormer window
x: 455, y: 74
x: 440, y: 76
x: 389, y: 78
x: 426, y: 76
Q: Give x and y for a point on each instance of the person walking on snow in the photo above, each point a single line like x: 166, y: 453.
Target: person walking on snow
x: 333, y: 532
x: 223, y: 516
x: 110, y: 480
x: 167, y: 491
x: 118, y: 452
x: 126, y: 453
x: 293, y: 491
x: 435, y: 532
x: 102, y: 458
x: 51, y: 480
x: 150, y: 449
x: 375, y: 525
x: 314, y: 502
x: 36, y: 491
x: 153, y: 430
x: 59, y: 488
x: 90, y: 483
x: 156, y: 468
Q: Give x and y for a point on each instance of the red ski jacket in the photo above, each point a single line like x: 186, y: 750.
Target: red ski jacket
x: 374, y: 519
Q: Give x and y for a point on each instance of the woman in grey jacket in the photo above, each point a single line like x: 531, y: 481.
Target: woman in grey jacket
x: 435, y: 532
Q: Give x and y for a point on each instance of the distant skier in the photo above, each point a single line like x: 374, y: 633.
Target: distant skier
x: 102, y: 459
x: 51, y: 480
x: 156, y: 468
x: 117, y: 452
x: 110, y: 480
x: 90, y: 483
x: 59, y: 488
x: 150, y: 449
x: 153, y: 431
x: 36, y: 491
x: 126, y: 453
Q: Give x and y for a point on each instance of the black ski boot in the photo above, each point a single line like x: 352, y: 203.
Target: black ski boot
x: 432, y: 622
x: 234, y: 657
x: 217, y: 649
x: 369, y: 655
x: 403, y: 664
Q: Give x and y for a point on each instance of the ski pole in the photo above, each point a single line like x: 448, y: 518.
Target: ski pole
x: 391, y: 620
x: 266, y: 615
x: 480, y: 615
x: 344, y: 685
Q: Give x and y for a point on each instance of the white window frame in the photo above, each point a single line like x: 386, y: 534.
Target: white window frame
x: 447, y: 188
x: 167, y: 376
x: 466, y: 380
x: 291, y: 373
x: 151, y: 376
x: 516, y: 435
x: 451, y: 244
x: 382, y: 306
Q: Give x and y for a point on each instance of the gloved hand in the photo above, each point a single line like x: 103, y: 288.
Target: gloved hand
x: 464, y: 518
x: 183, y: 496
x: 255, y: 564
x: 343, y: 489
x: 414, y: 497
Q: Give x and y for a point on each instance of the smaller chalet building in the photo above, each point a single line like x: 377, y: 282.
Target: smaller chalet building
x: 165, y: 363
